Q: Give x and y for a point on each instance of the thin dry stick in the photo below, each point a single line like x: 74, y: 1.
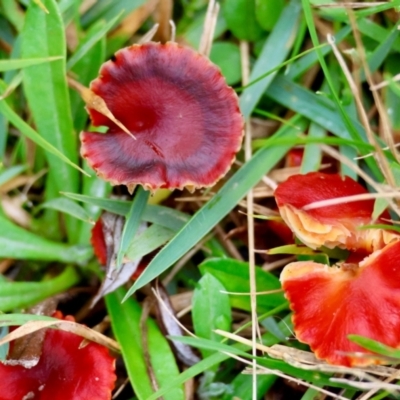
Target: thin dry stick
x: 351, y: 5
x: 381, y: 159
x: 149, y: 35
x: 335, y: 154
x: 349, y: 199
x: 387, y: 135
x: 208, y: 28
x: 382, y: 84
x: 244, y: 52
x: 369, y: 394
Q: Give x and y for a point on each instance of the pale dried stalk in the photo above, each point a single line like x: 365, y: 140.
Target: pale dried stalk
x: 210, y: 23
x: 387, y: 134
x: 245, y: 61
x: 381, y: 159
x: 335, y: 154
x: 349, y: 199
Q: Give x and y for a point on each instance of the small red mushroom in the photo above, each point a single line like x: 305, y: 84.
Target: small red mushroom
x: 330, y: 303
x: 185, y: 119
x: 331, y: 226
x: 65, y: 371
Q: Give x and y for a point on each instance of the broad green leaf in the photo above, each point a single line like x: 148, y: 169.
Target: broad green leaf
x: 227, y: 56
x: 210, y: 309
x: 151, y: 239
x: 8, y: 65
x: 268, y: 12
x: 240, y: 16
x: 234, y: 276
x: 274, y: 52
x: 219, y: 206
x: 25, y: 294
x: 18, y: 243
x: 125, y: 322
x: 132, y: 221
x: 46, y: 90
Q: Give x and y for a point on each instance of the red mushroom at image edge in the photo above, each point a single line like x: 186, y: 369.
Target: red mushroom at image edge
x: 176, y: 103
x: 331, y: 226
x: 64, y: 371
x: 330, y: 303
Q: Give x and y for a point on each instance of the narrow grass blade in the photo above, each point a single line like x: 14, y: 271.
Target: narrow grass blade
x: 26, y: 130
x: 125, y: 322
x: 18, y: 243
x: 219, y: 206
x: 8, y: 65
x: 312, y: 152
x: 25, y: 294
x: 94, y: 38
x: 11, y: 173
x: 151, y: 239
x: 47, y: 93
x: 132, y: 221
x: 66, y: 206
x: 160, y: 215
x: 275, y: 50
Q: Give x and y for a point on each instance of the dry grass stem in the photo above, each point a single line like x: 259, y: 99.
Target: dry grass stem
x: 384, y: 119
x: 168, y: 311
x: 349, y: 199
x: 344, y: 160
x: 351, y: 4
x: 210, y: 23
x: 380, y: 156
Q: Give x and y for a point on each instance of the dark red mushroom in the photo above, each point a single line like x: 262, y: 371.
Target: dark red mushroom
x: 65, y: 371
x: 335, y: 225
x: 176, y: 103
x: 330, y: 303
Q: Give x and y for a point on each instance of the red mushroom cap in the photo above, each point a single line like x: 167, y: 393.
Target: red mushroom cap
x: 98, y: 242
x: 331, y: 226
x: 330, y: 303
x: 65, y: 371
x: 176, y: 103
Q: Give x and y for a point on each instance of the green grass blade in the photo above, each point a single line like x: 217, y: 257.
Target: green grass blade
x: 9, y: 65
x: 275, y: 50
x: 160, y: 215
x: 125, y: 322
x: 66, y: 206
x: 216, y: 209
x: 46, y: 89
x: 25, y: 294
x: 95, y: 38
x: 132, y: 221
x: 151, y: 239
x: 11, y: 173
x: 18, y: 243
x: 26, y: 130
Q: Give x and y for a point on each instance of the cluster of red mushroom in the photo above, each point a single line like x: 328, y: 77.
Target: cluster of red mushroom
x: 359, y: 295
x: 183, y: 121
x: 66, y: 369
